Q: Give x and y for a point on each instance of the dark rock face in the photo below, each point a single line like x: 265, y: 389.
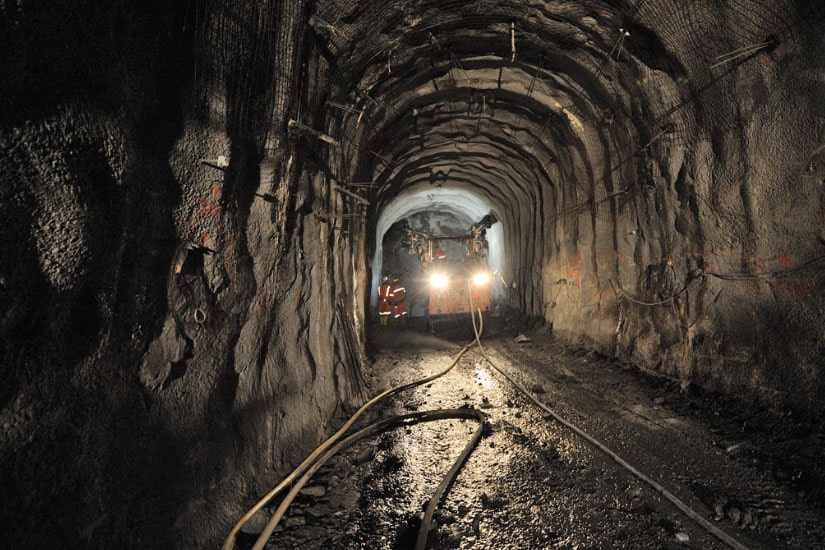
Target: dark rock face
x: 184, y: 285
x: 172, y: 319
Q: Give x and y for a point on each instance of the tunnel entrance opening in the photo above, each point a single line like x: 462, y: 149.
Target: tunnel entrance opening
x: 429, y: 227
x: 407, y: 257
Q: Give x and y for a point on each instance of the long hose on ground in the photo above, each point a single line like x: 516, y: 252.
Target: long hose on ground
x: 373, y: 429
x: 715, y: 531
x: 310, y: 461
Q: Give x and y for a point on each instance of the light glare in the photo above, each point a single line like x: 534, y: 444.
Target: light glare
x: 439, y: 281
x: 481, y: 279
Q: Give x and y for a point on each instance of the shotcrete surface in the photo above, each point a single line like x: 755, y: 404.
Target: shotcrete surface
x: 754, y: 473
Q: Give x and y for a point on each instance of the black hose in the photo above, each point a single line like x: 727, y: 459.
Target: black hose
x: 230, y: 539
x: 448, y: 479
x: 712, y: 529
x: 373, y: 429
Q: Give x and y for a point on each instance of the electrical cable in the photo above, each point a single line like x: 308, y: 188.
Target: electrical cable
x: 309, y: 460
x: 725, y: 277
x: 718, y: 533
x: 764, y: 276
x: 622, y: 294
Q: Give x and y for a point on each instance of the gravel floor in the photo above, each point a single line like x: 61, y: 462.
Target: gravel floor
x: 531, y: 483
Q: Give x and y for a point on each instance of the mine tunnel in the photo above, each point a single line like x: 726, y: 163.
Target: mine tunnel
x: 200, y: 200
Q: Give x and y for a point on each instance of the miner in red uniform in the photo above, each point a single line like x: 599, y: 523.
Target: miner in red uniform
x: 384, y: 300
x: 398, y: 292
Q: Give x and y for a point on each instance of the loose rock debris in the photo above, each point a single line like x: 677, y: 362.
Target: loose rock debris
x: 531, y: 484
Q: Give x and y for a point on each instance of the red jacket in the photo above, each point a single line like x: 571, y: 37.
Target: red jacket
x: 384, y: 295
x: 398, y: 293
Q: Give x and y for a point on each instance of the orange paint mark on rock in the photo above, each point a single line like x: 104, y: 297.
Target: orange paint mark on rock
x: 214, y: 190
x: 759, y: 264
x: 785, y: 261
x: 209, y: 208
x: 572, y: 262
x: 205, y: 238
x: 619, y: 256
x: 573, y: 275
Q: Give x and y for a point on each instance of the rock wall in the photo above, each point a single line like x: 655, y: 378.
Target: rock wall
x: 178, y: 326
x: 183, y: 284
x: 706, y: 266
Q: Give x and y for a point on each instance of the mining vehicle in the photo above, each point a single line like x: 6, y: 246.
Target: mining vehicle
x: 456, y: 285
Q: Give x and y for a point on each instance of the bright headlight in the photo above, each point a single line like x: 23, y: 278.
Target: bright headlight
x: 439, y: 281
x: 481, y: 279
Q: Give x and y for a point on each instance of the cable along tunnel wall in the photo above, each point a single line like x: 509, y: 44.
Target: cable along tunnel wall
x: 669, y: 150
x: 683, y: 162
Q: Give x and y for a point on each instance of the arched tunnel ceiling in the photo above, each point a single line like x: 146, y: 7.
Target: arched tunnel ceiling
x: 529, y: 81
x: 526, y: 104
x: 529, y: 108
